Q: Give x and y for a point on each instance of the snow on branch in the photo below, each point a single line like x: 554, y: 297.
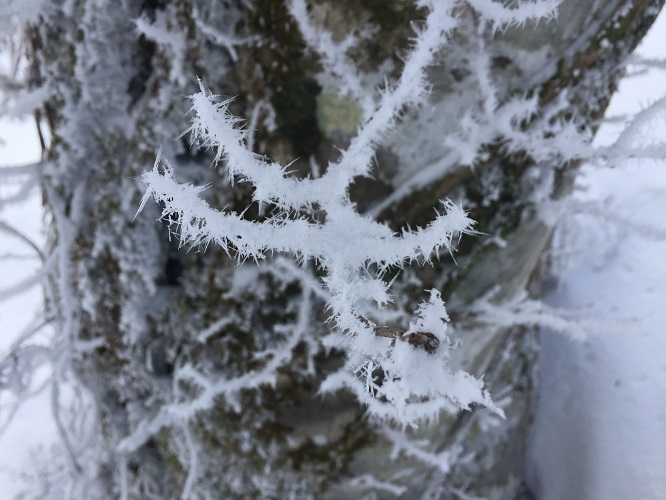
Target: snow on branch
x: 348, y: 284
x: 625, y: 145
x: 218, y: 37
x: 180, y: 412
x: 167, y: 37
x: 418, y: 449
x: 213, y: 126
x: 402, y: 374
x: 328, y: 242
x: 10, y: 172
x: 411, y: 89
x: 340, y: 68
x: 522, y: 310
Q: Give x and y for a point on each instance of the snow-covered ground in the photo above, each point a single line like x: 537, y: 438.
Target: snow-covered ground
x: 600, y: 431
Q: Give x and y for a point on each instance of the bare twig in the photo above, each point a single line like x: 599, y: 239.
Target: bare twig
x: 421, y: 340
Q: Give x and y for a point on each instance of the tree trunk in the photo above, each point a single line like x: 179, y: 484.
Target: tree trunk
x: 132, y: 308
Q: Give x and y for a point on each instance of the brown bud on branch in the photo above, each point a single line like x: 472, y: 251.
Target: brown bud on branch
x: 421, y: 340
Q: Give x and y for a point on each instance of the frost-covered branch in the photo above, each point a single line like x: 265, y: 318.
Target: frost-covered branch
x: 180, y: 412
x: 419, y: 450
x: 634, y: 132
x: 25, y: 189
x: 17, y: 233
x: 369, y: 482
x: 337, y: 65
x: 218, y: 37
x: 503, y: 14
x: 403, y: 381
x: 216, y: 128
x: 9, y: 172
x: 344, y: 247
x: 411, y: 89
x: 199, y: 225
x: 170, y: 38
x: 522, y: 310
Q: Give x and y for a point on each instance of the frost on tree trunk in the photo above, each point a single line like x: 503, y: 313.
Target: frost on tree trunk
x: 149, y: 327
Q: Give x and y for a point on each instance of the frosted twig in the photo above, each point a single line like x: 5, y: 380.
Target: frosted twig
x: 635, y: 130
x: 515, y: 13
x: 373, y: 242
x: 62, y: 432
x: 418, y: 449
x: 192, y: 471
x: 20, y: 170
x: 17, y: 233
x: 217, y: 37
x: 409, y: 90
x: 254, y: 120
x: 334, y: 58
x: 344, y: 245
x: 525, y: 311
x: 180, y: 413
x: 25, y: 190
x: 175, y: 41
x: 367, y: 481
x: 23, y: 285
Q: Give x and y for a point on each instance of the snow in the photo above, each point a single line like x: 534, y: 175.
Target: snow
x: 601, y: 425
x: 600, y: 429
